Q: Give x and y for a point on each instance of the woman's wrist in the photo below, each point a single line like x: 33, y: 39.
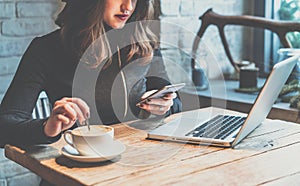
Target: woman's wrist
x: 48, y: 131
x: 44, y: 128
x: 143, y: 114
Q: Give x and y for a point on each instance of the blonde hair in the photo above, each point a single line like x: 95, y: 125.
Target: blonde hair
x: 82, y: 24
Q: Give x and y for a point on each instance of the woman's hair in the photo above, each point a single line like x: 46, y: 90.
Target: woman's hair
x: 82, y: 24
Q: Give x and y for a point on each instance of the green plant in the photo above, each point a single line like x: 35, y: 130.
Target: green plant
x: 290, y: 10
x: 291, y: 87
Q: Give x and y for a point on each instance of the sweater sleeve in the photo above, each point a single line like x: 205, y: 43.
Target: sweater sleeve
x: 16, y: 124
x: 157, y: 77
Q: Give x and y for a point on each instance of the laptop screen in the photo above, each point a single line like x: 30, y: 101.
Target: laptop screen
x: 267, y: 96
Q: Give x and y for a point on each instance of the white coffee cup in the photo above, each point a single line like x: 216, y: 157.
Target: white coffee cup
x: 93, y: 142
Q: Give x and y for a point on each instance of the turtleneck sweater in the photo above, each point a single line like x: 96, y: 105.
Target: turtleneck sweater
x: 47, y: 66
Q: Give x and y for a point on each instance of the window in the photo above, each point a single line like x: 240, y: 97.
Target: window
x: 286, y: 10
x: 289, y: 10
x: 266, y: 44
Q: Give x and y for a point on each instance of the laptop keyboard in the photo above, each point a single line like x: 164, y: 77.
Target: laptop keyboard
x: 219, y: 127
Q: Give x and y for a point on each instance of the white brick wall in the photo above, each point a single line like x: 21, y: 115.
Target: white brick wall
x: 9, y: 65
x: 13, y: 46
x: 7, y: 10
x: 183, y: 18
x: 26, y: 26
x: 20, y: 22
x: 41, y: 9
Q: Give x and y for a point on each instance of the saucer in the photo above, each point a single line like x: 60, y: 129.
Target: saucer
x: 70, y: 152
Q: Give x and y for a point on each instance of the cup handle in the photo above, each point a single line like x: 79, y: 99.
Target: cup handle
x: 68, y: 137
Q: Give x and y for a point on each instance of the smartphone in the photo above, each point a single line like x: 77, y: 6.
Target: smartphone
x: 162, y: 91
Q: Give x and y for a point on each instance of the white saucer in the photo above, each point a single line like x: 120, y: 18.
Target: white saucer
x: 72, y: 153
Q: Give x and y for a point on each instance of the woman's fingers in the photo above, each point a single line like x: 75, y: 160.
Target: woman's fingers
x: 155, y: 109
x: 170, y: 96
x: 65, y: 109
x: 79, y: 114
x: 75, y: 108
x: 159, y: 106
x: 161, y: 102
x: 56, y: 124
x: 85, y: 109
x: 65, y: 120
x: 66, y: 123
x: 64, y: 114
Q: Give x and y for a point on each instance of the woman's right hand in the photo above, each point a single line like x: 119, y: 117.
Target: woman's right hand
x: 64, y: 115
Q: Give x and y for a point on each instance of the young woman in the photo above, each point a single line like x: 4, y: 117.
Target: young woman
x: 125, y: 59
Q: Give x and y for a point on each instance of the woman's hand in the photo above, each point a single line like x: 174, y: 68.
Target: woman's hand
x: 158, y: 106
x: 64, y: 115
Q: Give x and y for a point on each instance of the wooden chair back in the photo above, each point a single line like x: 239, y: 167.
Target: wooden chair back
x: 42, y: 108
x: 281, y: 28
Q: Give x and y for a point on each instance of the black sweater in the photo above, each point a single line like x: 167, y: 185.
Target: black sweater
x: 47, y: 66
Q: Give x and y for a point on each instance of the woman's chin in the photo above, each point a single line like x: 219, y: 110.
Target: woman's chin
x: 117, y: 25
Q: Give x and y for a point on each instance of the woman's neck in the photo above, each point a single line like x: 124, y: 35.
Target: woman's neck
x: 107, y: 27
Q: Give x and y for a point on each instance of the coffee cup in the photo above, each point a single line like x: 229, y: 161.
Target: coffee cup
x: 93, y: 142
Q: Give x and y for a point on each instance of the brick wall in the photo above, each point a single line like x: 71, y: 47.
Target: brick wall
x: 178, y: 34
x: 20, y: 21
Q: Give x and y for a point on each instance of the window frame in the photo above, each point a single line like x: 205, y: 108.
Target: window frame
x: 263, y: 40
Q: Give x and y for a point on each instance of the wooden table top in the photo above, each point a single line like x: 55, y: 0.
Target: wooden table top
x: 269, y: 156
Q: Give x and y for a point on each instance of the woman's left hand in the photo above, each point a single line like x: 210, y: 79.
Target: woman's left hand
x: 159, y: 106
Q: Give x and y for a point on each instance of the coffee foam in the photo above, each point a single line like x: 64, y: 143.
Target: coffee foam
x: 95, y: 130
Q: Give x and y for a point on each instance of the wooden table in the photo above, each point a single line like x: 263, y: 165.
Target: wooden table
x: 268, y: 156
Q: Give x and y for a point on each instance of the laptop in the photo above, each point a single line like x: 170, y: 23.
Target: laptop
x: 227, y: 130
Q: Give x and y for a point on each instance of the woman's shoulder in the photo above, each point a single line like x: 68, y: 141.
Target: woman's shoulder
x: 46, y: 49
x: 47, y: 45
x: 52, y: 38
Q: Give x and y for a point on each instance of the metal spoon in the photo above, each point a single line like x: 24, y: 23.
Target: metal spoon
x: 86, y: 122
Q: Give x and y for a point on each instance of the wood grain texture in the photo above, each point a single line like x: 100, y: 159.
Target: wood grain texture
x: 269, y: 155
